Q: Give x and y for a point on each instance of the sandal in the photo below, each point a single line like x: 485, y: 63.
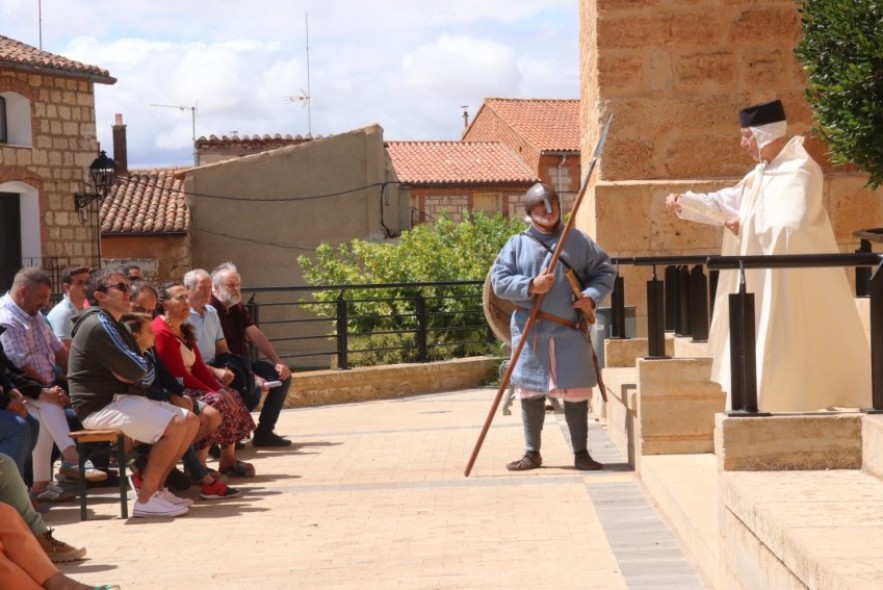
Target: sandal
x: 531, y: 460
x: 239, y: 469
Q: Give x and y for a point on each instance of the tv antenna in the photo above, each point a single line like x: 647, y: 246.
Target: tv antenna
x: 304, y: 96
x: 192, y: 110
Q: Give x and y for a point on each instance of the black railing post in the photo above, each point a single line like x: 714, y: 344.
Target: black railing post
x: 342, y: 340
x: 743, y: 364
x: 683, y: 327
x: 655, y: 318
x: 671, y: 298
x: 617, y: 308
x: 420, y: 310
x: 698, y: 304
x: 876, y: 293
x: 863, y: 273
x: 713, y: 276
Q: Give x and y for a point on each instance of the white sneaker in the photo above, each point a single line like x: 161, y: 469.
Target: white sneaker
x: 175, y: 500
x: 158, y: 507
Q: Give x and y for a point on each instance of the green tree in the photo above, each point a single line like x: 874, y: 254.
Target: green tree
x: 842, y: 52
x: 383, y: 322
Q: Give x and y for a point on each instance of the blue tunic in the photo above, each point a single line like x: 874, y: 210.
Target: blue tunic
x: 522, y: 259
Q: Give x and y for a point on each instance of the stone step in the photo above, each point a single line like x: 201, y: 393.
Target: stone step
x: 685, y: 490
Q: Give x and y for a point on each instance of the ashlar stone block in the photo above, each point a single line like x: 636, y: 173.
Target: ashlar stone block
x: 804, y: 441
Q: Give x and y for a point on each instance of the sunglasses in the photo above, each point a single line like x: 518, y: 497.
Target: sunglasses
x: 121, y: 286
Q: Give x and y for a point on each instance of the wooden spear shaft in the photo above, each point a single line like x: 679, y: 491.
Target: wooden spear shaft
x: 538, y: 302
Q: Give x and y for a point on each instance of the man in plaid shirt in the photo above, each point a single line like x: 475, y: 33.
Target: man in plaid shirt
x: 28, y: 341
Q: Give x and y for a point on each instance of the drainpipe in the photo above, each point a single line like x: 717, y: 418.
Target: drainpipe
x: 558, y: 172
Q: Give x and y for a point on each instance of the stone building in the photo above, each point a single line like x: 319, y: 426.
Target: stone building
x: 675, y: 75
x: 146, y: 218
x: 459, y: 176
x: 508, y: 146
x: 544, y: 133
x: 47, y: 142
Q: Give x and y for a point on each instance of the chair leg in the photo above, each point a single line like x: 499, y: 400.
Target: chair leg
x: 81, y: 453
x: 121, y: 462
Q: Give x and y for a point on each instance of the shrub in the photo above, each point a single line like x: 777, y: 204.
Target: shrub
x: 842, y: 52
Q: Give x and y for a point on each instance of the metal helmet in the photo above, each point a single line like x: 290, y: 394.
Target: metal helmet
x: 540, y: 193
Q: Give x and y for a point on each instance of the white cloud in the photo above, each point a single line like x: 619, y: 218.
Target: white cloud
x: 407, y: 65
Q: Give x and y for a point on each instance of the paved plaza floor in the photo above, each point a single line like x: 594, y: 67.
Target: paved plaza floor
x: 372, y: 495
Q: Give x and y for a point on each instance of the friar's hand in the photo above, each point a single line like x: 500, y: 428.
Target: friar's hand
x: 732, y: 224
x: 672, y: 201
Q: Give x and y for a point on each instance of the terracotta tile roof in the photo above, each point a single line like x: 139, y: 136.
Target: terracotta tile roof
x: 254, y: 142
x: 17, y: 55
x: 147, y: 202
x: 445, y: 162
x: 547, y: 124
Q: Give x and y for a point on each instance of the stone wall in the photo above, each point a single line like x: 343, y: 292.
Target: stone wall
x: 315, y: 388
x: 428, y: 203
x: 675, y: 74
x: 54, y: 164
x: 171, y: 254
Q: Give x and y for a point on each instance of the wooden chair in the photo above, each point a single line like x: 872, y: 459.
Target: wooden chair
x: 102, y: 442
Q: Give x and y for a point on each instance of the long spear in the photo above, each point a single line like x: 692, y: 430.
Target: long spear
x: 534, y: 310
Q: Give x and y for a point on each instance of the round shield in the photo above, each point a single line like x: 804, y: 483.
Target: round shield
x: 497, y: 311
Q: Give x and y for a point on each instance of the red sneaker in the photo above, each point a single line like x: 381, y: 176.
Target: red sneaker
x: 218, y: 490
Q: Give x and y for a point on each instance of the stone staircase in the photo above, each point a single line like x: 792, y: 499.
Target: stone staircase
x: 788, y: 501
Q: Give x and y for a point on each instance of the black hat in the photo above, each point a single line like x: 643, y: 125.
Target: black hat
x: 761, y: 114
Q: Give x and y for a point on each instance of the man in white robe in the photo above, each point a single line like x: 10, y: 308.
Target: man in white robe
x: 812, y: 352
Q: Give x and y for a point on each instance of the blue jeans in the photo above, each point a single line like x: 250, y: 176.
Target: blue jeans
x: 17, y: 437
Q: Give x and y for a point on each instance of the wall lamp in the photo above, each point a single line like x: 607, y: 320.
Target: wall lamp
x: 103, y: 173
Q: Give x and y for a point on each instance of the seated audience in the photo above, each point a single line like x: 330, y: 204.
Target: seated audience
x: 73, y: 284
x: 133, y: 272
x: 105, y: 368
x: 166, y: 388
x: 176, y: 348
x: 24, y: 565
x: 14, y: 492
x: 239, y: 330
x: 18, y: 429
x: 31, y: 347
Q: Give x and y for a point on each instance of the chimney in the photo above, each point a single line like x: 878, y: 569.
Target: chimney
x: 120, y: 150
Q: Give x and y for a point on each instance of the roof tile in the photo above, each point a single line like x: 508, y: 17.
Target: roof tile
x: 148, y: 201
x: 546, y: 124
x: 445, y: 162
x: 15, y: 53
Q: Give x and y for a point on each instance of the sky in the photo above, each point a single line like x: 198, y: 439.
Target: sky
x: 406, y: 65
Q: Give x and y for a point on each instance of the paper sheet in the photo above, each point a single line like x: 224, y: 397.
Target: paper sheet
x: 691, y: 202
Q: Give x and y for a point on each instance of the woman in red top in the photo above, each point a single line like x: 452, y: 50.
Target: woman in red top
x: 176, y: 348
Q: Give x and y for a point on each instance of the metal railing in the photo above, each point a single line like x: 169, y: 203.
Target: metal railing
x: 679, y: 303
x: 357, y: 325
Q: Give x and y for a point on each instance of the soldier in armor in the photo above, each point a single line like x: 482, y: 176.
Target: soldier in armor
x: 556, y: 360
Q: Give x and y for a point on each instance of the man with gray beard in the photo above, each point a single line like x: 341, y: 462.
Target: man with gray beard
x: 239, y: 331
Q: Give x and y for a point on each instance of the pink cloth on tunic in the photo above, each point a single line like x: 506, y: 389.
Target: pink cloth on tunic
x: 573, y: 394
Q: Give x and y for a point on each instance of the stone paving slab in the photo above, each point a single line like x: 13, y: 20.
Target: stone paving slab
x: 372, y: 495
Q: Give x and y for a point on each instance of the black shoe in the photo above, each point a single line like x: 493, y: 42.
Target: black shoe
x: 214, y: 452
x: 584, y: 462
x: 178, y: 481
x: 269, y: 439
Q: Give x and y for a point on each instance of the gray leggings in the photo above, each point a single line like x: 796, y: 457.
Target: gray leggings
x: 533, y: 414
x: 14, y: 492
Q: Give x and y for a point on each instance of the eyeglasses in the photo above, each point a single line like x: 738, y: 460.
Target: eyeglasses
x: 121, y: 286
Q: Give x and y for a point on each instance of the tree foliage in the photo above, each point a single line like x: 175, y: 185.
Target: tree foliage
x: 842, y: 51
x: 382, y: 322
